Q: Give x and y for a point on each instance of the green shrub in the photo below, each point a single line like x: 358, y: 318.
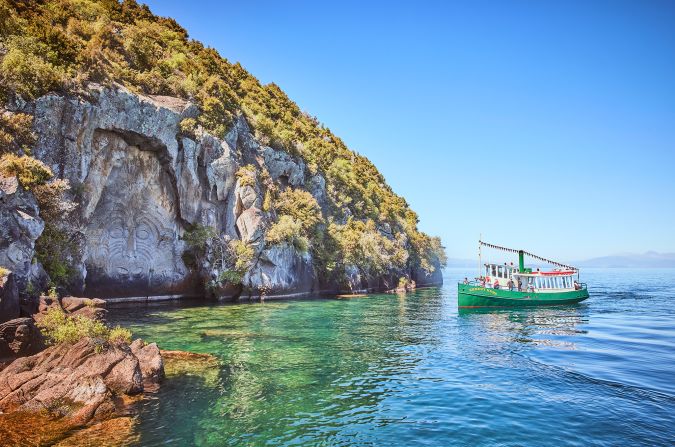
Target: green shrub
x: 241, y: 255
x: 29, y: 171
x: 230, y: 276
x: 25, y: 68
x: 301, y: 206
x: 16, y: 133
x: 59, y: 327
x: 188, y: 126
x: 288, y: 230
x: 198, y: 236
x: 246, y: 175
x: 119, y: 335
x: 55, y: 249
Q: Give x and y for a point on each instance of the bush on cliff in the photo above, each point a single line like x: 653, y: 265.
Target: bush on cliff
x: 16, y: 134
x: 290, y: 231
x: 301, y: 206
x: 29, y: 171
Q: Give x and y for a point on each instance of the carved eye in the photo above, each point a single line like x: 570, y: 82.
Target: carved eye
x: 117, y: 232
x: 122, y: 271
x: 143, y: 232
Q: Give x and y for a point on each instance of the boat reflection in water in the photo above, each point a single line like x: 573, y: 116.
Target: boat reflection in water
x: 538, y: 326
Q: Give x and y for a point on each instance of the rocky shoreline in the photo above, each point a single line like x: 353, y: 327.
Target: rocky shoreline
x: 68, y: 392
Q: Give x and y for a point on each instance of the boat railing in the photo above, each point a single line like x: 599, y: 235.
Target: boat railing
x: 478, y: 283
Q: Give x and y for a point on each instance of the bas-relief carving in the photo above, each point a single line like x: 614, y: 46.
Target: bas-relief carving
x: 132, y: 239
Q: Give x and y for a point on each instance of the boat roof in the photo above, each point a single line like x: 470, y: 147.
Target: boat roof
x: 550, y: 273
x: 555, y: 272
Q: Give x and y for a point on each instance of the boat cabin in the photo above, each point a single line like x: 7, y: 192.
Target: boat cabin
x: 556, y: 280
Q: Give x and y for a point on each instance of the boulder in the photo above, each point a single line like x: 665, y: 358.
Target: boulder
x: 76, y: 381
x: 18, y: 338
x: 250, y: 225
x: 150, y: 359
x: 9, y: 297
x: 92, y: 308
x: 281, y: 270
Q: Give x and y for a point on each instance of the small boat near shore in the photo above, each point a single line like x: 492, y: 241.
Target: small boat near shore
x: 506, y: 285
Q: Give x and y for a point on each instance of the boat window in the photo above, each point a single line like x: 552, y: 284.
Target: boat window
x: 500, y: 272
x: 494, y: 271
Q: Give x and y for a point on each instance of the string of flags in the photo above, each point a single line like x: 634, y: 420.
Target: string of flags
x: 539, y: 258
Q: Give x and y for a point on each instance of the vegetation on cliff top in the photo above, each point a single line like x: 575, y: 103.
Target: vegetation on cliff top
x: 61, y: 45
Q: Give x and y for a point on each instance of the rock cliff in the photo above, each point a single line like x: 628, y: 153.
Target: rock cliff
x: 169, y: 171
x: 141, y: 183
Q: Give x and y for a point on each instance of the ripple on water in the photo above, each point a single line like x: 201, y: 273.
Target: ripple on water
x: 402, y: 370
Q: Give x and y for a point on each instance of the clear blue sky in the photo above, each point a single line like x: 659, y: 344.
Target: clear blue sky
x: 543, y: 125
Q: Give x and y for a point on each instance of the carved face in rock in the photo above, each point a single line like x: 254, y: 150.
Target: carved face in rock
x: 133, y: 242
x: 132, y: 245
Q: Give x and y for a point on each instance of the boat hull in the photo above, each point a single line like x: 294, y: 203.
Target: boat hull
x: 469, y: 295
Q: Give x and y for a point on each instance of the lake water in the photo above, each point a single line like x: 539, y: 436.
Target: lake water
x: 401, y: 370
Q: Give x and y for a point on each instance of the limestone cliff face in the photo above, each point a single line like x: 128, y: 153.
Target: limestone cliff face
x: 140, y: 184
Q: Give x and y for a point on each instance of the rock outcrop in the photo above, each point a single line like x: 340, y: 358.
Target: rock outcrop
x: 9, y: 297
x: 20, y: 226
x: 19, y: 338
x: 92, y: 308
x: 84, y: 382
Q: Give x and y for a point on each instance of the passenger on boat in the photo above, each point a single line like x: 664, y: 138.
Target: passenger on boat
x: 530, y: 287
x: 495, y: 285
x: 466, y: 280
x: 577, y: 286
x: 510, y: 284
x: 520, y: 285
x: 482, y: 281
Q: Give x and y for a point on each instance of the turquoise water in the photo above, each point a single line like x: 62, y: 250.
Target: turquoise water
x: 400, y: 370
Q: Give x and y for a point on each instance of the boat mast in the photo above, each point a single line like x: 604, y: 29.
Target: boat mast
x: 480, y: 238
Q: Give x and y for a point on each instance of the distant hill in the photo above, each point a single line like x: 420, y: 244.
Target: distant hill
x: 650, y: 259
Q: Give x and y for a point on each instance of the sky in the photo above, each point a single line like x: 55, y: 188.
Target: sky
x: 542, y: 125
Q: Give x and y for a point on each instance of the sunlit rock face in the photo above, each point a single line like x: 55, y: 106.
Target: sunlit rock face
x: 133, y: 244
x: 140, y: 184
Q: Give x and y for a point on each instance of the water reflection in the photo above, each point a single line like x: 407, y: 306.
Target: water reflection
x: 543, y: 326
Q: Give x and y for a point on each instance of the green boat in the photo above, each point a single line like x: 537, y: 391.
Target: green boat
x: 505, y: 285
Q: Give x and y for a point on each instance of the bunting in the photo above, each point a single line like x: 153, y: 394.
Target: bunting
x: 539, y: 258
